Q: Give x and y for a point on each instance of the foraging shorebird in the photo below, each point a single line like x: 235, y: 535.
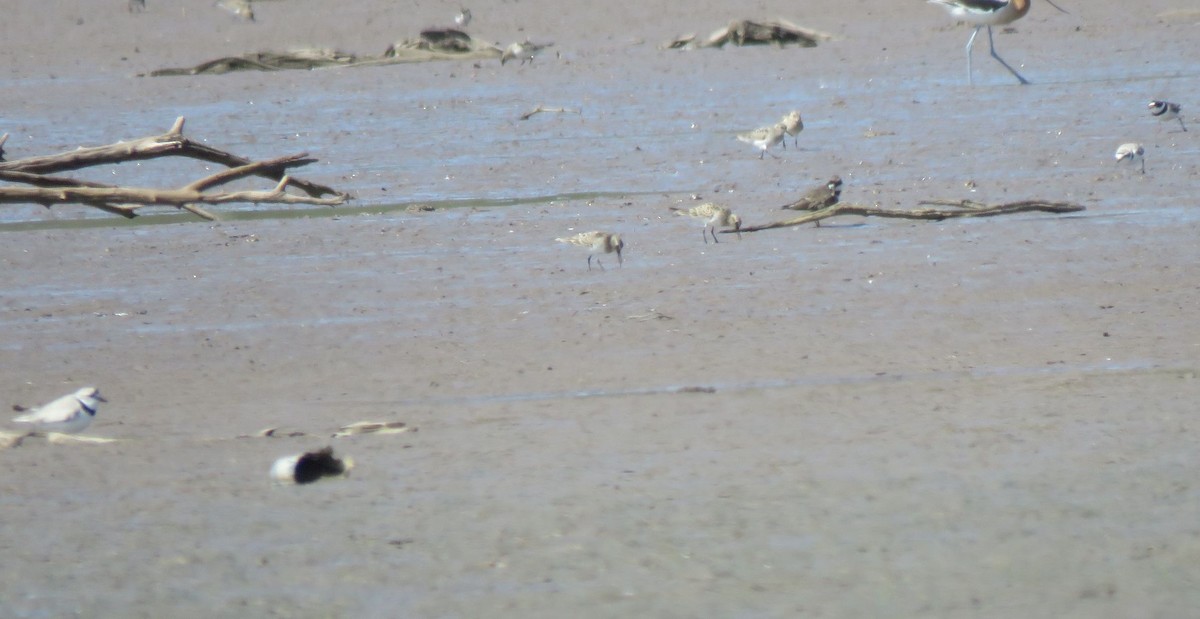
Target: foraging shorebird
x: 597, y: 243
x: 525, y: 50
x: 713, y: 215
x: 463, y: 19
x: 68, y: 415
x: 792, y: 125
x: 1132, y: 152
x: 988, y: 13
x: 1165, y: 110
x: 818, y: 198
x: 241, y: 8
x: 764, y: 137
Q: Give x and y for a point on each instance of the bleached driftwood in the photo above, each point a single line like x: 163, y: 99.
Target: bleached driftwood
x: 49, y: 190
x: 963, y: 208
x: 743, y: 32
x: 539, y: 109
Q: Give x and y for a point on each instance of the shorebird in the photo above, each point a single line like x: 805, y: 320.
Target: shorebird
x: 69, y: 414
x: 818, y: 198
x: 713, y: 215
x: 241, y: 8
x: 525, y: 50
x: 1165, y: 110
x: 463, y: 19
x: 988, y: 13
x: 308, y: 467
x: 1133, y: 152
x: 792, y: 125
x: 764, y: 137
x: 597, y: 243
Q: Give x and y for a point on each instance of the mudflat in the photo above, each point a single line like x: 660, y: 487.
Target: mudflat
x: 968, y: 418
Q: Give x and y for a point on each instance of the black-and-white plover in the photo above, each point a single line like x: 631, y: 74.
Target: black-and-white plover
x: 525, y: 51
x: 1132, y: 152
x: 985, y: 14
x: 67, y: 415
x: 597, y: 243
x: 1165, y: 110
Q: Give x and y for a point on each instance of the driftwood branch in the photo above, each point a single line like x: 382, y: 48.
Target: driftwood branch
x: 539, y: 109
x: 49, y: 190
x: 963, y: 208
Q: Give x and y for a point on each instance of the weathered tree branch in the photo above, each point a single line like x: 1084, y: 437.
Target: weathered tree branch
x: 965, y: 208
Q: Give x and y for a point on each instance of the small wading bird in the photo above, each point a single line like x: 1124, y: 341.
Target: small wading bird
x: 988, y: 13
x: 1132, y: 152
x: 463, y: 19
x: 68, y: 415
x: 1165, y: 110
x: 525, y: 51
x: 792, y: 125
x: 597, y: 243
x: 764, y: 137
x: 713, y: 215
x: 816, y: 199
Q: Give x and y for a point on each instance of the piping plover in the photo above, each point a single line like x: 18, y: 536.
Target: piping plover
x: 597, y: 243
x: 1133, y: 152
x: 1165, y: 110
x: 713, y: 215
x: 308, y: 467
x: 764, y: 137
x: 67, y: 415
x: 985, y: 14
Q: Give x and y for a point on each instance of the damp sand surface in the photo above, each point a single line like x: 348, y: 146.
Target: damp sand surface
x: 968, y: 418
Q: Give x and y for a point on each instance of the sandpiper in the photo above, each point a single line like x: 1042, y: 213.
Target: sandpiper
x: 525, y: 50
x: 792, y: 125
x: 463, y: 19
x: 818, y: 198
x: 1132, y: 152
x: 764, y: 137
x: 713, y: 215
x: 985, y: 14
x: 68, y: 415
x: 241, y: 8
x: 1165, y: 110
x: 597, y: 243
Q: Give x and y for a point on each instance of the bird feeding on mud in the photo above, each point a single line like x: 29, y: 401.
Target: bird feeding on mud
x: 764, y: 137
x: 1132, y: 152
x: 597, y: 243
x: 714, y: 215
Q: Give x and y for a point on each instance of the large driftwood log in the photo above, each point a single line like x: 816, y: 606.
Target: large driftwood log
x: 49, y: 190
x: 963, y: 208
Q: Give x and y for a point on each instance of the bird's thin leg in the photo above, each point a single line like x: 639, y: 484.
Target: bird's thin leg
x: 760, y: 155
x: 1143, y: 165
x: 970, y: 43
x: 784, y: 143
x: 590, y: 262
x: 704, y: 234
x: 992, y: 46
x: 713, y: 232
x: 1184, y: 127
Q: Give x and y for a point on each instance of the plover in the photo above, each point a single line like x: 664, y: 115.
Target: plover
x: 985, y: 14
x: 463, y: 19
x: 308, y: 467
x: 818, y: 198
x: 764, y: 137
x: 1165, y: 110
x: 525, y: 50
x: 1132, y: 152
x: 713, y: 215
x: 241, y: 8
x: 67, y: 415
x: 597, y: 243
x: 792, y: 125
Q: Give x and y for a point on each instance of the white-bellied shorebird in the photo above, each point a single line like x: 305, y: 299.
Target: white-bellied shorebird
x: 597, y: 243
x: 985, y: 14
x: 463, y: 19
x: 792, y: 125
x: 1132, y: 152
x: 524, y: 50
x: 241, y: 8
x: 764, y: 137
x: 1165, y: 110
x: 818, y: 198
x: 69, y: 414
x: 714, y: 215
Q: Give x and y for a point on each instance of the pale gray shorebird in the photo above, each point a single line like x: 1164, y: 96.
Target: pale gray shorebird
x: 525, y: 51
x: 241, y: 8
x: 764, y: 137
x: 67, y: 415
x: 1165, y: 111
x: 463, y: 19
x: 792, y: 125
x: 985, y: 14
x: 597, y: 243
x: 714, y: 215
x: 818, y: 198
x: 1132, y: 152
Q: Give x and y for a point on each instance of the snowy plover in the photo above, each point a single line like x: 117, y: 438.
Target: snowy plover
x: 67, y: 415
x: 1132, y: 152
x: 597, y: 243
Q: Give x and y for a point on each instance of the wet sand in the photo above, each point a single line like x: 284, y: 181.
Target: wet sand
x: 982, y: 418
